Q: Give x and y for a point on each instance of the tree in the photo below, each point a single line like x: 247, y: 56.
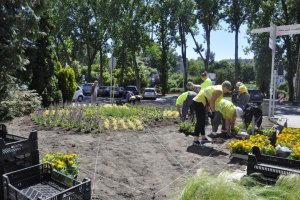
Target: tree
x: 185, y: 22
x: 237, y: 13
x: 67, y: 83
x: 42, y: 58
x: 209, y: 14
x: 163, y: 17
x: 16, y: 34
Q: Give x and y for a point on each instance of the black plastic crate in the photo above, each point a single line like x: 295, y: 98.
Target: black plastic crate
x: 16, y: 153
x: 271, y: 166
x: 42, y: 182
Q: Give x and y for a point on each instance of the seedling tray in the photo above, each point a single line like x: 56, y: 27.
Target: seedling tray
x: 271, y: 166
x: 41, y: 182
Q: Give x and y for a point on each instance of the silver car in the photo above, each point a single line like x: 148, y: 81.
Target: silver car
x: 149, y: 93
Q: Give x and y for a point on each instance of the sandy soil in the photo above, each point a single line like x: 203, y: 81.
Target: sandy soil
x: 153, y: 164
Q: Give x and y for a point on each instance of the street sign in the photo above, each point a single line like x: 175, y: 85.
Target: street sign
x: 288, y: 30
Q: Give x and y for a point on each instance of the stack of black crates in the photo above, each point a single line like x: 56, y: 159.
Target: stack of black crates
x: 23, y: 178
x: 16, y: 153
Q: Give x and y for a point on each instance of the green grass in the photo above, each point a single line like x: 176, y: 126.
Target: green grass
x: 222, y: 187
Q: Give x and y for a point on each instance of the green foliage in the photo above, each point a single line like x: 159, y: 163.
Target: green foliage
x: 187, y: 127
x: 67, y: 83
x: 18, y: 24
x: 67, y: 164
x: 175, y: 80
x: 223, y: 187
x: 16, y: 100
x: 176, y: 90
x: 225, y: 73
x: 196, y: 67
x: 106, y: 117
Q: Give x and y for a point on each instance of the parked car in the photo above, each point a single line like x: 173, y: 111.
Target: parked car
x: 132, y: 88
x: 256, y: 96
x: 102, y: 91
x: 78, y: 96
x: 149, y: 93
x: 86, y: 89
x: 116, y: 91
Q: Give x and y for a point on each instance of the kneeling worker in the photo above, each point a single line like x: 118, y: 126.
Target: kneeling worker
x: 185, y: 101
x: 227, y: 112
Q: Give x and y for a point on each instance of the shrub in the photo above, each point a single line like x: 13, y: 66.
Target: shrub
x: 176, y: 90
x: 67, y: 83
x: 16, y: 100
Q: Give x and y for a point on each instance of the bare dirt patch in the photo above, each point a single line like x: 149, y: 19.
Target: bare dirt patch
x: 132, y: 165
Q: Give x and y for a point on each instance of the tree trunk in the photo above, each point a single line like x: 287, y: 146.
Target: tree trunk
x: 183, y: 52
x: 88, y: 78
x: 137, y: 72
x: 236, y: 54
x: 198, y: 48
x: 291, y: 67
x: 207, y: 33
x: 101, y: 66
x: 164, y: 59
x: 65, y: 49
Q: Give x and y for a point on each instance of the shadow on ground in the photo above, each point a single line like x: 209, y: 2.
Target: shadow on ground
x: 205, y: 151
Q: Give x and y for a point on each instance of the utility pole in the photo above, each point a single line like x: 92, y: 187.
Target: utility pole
x: 274, y: 32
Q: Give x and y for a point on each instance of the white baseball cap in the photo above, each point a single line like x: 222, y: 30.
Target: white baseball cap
x: 239, y: 112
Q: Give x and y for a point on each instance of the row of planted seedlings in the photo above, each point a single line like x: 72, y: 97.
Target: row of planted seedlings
x: 284, y: 144
x: 103, y: 117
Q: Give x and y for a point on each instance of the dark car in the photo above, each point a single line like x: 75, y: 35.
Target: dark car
x: 102, y: 91
x: 115, y: 91
x: 132, y: 89
x: 86, y: 89
x: 256, y: 96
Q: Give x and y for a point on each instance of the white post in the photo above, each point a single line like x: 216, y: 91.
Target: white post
x: 272, y: 89
x: 111, y: 79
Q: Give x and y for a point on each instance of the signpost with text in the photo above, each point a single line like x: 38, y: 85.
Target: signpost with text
x: 274, y: 32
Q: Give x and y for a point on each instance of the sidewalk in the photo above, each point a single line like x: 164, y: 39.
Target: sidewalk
x: 291, y: 113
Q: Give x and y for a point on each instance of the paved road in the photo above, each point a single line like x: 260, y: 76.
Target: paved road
x: 290, y: 112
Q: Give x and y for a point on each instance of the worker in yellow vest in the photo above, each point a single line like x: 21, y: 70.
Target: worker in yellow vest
x: 243, y: 95
x: 206, y: 80
x: 185, y: 101
x: 207, y: 97
x: 226, y: 112
x: 206, y: 83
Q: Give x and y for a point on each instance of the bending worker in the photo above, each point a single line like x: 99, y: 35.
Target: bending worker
x: 243, y: 95
x: 227, y: 112
x: 185, y: 101
x: 206, y: 83
x: 207, y: 97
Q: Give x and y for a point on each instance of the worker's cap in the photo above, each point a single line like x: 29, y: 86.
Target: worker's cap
x: 239, y: 112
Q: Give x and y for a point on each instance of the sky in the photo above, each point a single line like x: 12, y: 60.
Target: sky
x: 221, y: 43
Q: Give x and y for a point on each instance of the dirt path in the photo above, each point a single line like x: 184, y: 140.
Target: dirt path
x: 132, y: 165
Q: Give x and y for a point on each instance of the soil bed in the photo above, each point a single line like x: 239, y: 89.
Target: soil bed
x: 152, y: 164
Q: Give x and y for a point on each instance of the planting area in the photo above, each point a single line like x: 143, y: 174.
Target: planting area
x: 150, y: 159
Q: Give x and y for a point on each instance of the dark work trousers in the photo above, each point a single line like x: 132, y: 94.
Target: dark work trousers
x: 243, y: 100
x: 199, y: 108
x: 216, y: 122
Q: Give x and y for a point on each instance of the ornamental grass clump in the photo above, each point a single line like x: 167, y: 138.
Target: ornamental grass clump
x: 206, y: 187
x: 223, y: 187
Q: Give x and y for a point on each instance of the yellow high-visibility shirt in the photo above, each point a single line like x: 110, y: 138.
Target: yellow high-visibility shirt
x: 180, y: 100
x: 206, y: 83
x: 243, y: 89
x: 207, y: 94
x: 226, y: 108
